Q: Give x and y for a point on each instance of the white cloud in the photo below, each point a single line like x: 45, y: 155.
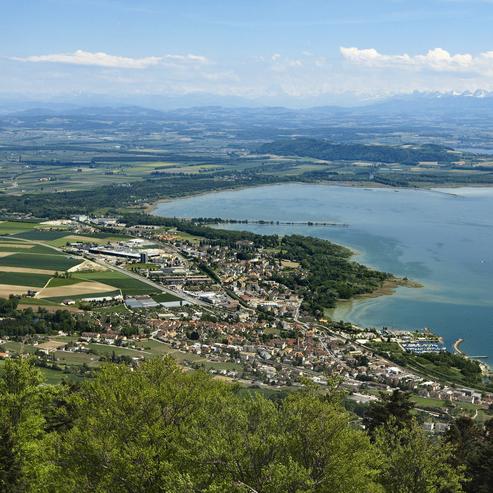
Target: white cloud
x: 271, y: 75
x: 186, y: 58
x: 436, y: 59
x: 282, y: 64
x: 101, y: 59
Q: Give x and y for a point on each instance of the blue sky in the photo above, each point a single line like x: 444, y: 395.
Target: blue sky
x: 265, y: 50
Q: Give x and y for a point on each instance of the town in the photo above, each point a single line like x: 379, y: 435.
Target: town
x: 221, y: 307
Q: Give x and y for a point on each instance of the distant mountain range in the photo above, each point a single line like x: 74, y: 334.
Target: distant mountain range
x: 479, y: 102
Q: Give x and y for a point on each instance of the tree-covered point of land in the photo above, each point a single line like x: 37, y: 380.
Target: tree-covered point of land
x: 330, y: 273
x: 159, y: 429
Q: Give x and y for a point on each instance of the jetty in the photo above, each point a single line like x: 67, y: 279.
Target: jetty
x: 457, y: 348
x: 272, y: 222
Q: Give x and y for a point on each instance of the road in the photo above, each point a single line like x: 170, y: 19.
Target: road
x: 153, y: 284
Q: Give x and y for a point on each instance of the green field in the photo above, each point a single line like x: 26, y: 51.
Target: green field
x: 14, y: 227
x: 18, y: 230
x: 26, y: 247
x: 41, y: 235
x: 39, y: 256
x: 8, y: 239
x: 24, y: 279
x: 35, y: 248
x: 35, y: 302
x: 51, y: 261
x: 428, y: 403
x: 97, y: 239
x: 111, y: 309
x: 54, y: 377
x: 128, y: 285
x: 76, y: 359
x: 12, y: 248
x: 18, y: 347
x: 162, y: 297
x: 75, y: 297
x: 62, y: 281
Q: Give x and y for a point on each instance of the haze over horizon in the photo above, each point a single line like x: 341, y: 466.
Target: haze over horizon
x: 265, y: 53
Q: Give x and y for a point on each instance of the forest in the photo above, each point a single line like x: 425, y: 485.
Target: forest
x: 322, y: 149
x: 160, y: 429
x: 332, y: 275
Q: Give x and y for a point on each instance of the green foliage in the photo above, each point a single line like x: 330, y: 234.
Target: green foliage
x: 445, y: 366
x: 23, y: 412
x: 414, y: 463
x: 219, y: 236
x: 470, y: 369
x: 159, y: 429
x: 395, y: 406
x: 60, y: 204
x: 331, y: 273
x: 473, y: 444
x: 41, y: 321
x: 207, y: 270
x: 8, y: 306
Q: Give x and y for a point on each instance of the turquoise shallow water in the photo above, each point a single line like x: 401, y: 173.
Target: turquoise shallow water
x: 441, y: 238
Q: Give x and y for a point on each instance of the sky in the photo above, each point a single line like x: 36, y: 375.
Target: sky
x: 291, y: 51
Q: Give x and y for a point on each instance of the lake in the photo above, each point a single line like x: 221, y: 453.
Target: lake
x: 442, y: 238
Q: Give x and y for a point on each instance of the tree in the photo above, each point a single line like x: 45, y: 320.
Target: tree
x: 473, y: 444
x: 396, y: 405
x: 130, y: 424
x: 336, y: 456
x: 160, y: 429
x: 157, y: 428
x: 8, y: 306
x: 414, y: 463
x: 23, y: 402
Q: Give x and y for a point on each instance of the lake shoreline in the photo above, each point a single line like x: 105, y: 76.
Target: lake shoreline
x: 150, y: 208
x: 415, y: 233
x: 388, y: 288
